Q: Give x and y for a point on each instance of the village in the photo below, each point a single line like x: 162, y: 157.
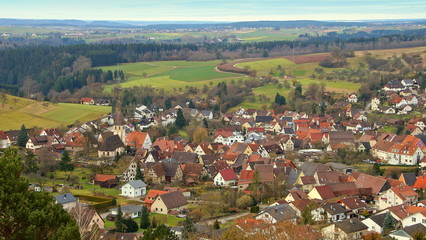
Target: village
x: 355, y: 170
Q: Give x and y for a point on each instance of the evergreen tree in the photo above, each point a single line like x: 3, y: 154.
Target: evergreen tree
x: 180, y: 119
x: 377, y: 170
x: 27, y: 214
x: 388, y: 223
x: 205, y: 123
x: 131, y: 225
x: 139, y: 175
x: 188, y: 228
x: 216, y: 224
x: 23, y: 137
x: 191, y: 104
x: 145, y: 218
x: 119, y: 222
x: 65, y: 163
x: 168, y: 103
x: 30, y: 162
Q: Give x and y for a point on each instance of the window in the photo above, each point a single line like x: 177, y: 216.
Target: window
x: 423, y: 221
x: 413, y: 219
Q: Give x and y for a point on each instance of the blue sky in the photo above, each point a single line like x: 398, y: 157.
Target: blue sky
x: 219, y: 10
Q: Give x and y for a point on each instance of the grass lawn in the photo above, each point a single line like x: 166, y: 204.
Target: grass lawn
x: 264, y: 66
x: 167, y: 220
x: 16, y: 111
x: 171, y: 75
x: 69, y: 113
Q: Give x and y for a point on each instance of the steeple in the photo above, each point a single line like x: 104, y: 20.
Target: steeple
x: 118, y: 128
x: 118, y: 117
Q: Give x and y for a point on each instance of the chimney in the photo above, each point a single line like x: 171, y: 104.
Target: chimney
x: 65, y: 196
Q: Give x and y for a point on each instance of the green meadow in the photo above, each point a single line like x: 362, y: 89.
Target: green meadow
x: 170, y: 74
x: 16, y: 111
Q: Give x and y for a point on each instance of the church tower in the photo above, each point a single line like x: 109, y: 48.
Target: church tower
x: 118, y: 127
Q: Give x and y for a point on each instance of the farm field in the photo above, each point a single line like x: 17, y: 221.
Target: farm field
x: 16, y: 111
x: 170, y: 74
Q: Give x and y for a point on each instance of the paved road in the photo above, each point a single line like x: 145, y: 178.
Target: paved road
x: 225, y: 219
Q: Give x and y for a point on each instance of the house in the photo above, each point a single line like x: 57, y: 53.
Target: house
x: 132, y: 211
x: 347, y: 229
x: 105, y: 181
x: 375, y: 104
x: 376, y: 184
x: 225, y: 177
x: 353, y: 98
x: 154, y: 173
x: 129, y: 173
x: 278, y: 213
x: 87, y: 101
x: 396, y: 196
x: 404, y: 154
x: 334, y: 212
x: 90, y: 218
x: 354, y: 205
x: 409, y: 233
x: 295, y: 195
x: 169, y: 203
x: 321, y: 193
x: 111, y: 147
x: 38, y: 142
x: 133, y: 189
x: 375, y: 222
x: 67, y: 200
x: 418, y: 216
x: 151, y: 196
x: 408, y: 179
x: 138, y: 140
x: 4, y: 140
x: 420, y: 183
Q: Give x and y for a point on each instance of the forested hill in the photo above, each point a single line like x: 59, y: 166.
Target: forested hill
x: 43, y: 68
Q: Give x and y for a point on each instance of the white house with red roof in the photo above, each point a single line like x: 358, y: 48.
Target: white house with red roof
x: 87, y: 101
x: 225, y: 177
x: 396, y: 196
x: 352, y: 98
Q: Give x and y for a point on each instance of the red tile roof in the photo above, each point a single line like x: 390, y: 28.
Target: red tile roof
x: 420, y: 183
x: 103, y: 177
x: 325, y: 192
x: 136, y: 139
x: 228, y: 174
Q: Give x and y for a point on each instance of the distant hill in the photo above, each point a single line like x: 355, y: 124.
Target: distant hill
x: 172, y: 25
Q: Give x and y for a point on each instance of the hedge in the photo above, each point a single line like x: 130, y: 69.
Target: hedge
x: 99, y: 202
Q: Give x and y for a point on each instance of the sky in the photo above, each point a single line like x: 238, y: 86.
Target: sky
x: 218, y: 10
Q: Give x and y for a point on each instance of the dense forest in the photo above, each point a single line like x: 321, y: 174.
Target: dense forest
x: 40, y: 69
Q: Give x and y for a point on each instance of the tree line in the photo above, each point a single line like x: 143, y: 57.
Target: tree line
x: 31, y: 69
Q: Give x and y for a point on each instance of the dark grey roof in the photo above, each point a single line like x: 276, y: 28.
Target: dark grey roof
x: 264, y: 119
x: 379, y: 218
x: 341, y: 136
x: 185, y: 157
x: 334, y: 208
x: 351, y: 225
x: 170, y: 168
x: 310, y: 168
x: 288, y: 131
x: 65, y: 198
x: 281, y: 212
x: 137, y: 184
x: 173, y: 199
x: 288, y: 119
x: 293, y: 176
x: 410, y: 178
x: 129, y: 209
x: 112, y: 143
x: 414, y: 229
